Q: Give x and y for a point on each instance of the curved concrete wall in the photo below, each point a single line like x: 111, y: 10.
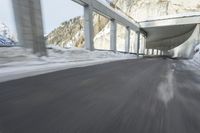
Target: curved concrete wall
x: 169, y: 43
x: 186, y: 50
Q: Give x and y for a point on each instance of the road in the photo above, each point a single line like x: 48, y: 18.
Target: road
x: 132, y: 96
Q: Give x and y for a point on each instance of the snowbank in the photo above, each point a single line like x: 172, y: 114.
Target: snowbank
x: 195, y: 62
x: 196, y: 57
x: 16, y: 62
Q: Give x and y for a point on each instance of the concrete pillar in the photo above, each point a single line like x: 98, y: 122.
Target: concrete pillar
x: 145, y: 42
x: 157, y: 52
x: 138, y: 43
x: 113, y: 35
x: 28, y: 18
x: 152, y: 52
x: 162, y: 52
x: 135, y: 43
x: 88, y: 27
x: 127, y: 39
x: 147, y: 51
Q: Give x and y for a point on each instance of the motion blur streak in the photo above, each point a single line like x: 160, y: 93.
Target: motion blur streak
x: 166, y: 88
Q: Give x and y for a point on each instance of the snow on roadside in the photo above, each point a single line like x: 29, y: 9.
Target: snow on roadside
x: 16, y: 62
x: 195, y: 62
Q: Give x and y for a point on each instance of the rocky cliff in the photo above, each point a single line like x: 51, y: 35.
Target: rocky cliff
x: 145, y: 9
x: 68, y: 33
x: 71, y: 32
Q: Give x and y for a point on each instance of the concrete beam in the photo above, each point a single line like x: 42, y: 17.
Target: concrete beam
x: 113, y: 35
x: 192, y: 18
x: 88, y: 27
x: 109, y: 12
x: 28, y: 18
x: 127, y: 39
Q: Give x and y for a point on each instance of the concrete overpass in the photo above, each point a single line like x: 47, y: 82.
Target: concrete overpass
x: 161, y: 34
x: 171, y: 31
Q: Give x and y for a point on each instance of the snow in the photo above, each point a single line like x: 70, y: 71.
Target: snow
x: 16, y: 62
x: 195, y: 62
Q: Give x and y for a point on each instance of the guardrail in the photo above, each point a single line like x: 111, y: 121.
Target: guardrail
x: 115, y: 17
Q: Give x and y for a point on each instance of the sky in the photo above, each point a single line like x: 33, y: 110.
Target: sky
x: 57, y: 11
x: 6, y: 14
x: 54, y: 13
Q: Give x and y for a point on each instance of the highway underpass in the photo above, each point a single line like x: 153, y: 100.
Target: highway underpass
x: 169, y: 32
x: 132, y: 96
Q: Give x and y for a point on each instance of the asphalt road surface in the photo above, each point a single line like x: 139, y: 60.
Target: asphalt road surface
x: 132, y: 96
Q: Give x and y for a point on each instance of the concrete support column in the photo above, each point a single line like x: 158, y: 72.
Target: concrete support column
x: 28, y: 18
x: 147, y: 51
x: 113, y: 35
x: 138, y: 43
x: 157, y: 52
x: 162, y: 52
x: 145, y: 42
x: 88, y: 27
x: 127, y: 39
x: 152, y: 52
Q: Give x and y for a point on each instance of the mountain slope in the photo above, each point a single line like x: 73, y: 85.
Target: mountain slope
x: 70, y: 33
x: 67, y: 33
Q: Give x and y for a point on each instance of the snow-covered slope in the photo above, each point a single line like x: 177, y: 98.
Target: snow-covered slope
x: 197, y: 52
x: 196, y: 58
x: 16, y: 62
x: 195, y: 62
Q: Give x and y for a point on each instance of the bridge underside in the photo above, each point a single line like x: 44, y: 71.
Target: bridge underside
x: 169, y: 32
x: 169, y: 37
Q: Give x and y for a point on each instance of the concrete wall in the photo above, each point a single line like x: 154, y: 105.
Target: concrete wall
x: 186, y: 50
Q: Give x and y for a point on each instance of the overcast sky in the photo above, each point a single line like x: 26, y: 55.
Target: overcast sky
x: 54, y: 13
